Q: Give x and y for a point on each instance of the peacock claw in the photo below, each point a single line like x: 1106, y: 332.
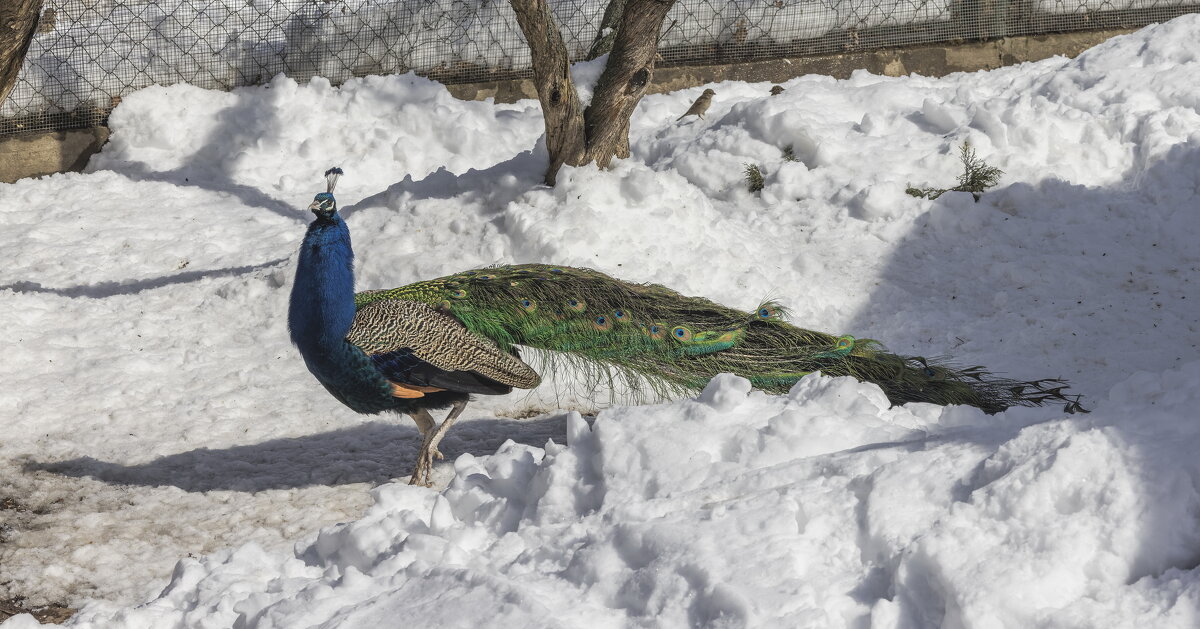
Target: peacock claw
x: 421, y: 475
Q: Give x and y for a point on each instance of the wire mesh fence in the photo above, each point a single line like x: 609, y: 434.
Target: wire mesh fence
x: 88, y: 53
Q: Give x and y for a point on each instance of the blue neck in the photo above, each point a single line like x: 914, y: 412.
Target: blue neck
x: 322, y: 304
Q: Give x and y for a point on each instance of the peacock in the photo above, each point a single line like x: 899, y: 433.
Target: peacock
x: 432, y: 344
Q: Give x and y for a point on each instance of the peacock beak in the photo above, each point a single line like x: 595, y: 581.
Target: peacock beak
x: 323, y: 209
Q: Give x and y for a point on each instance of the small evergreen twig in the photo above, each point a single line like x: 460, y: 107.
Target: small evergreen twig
x: 977, y: 177
x: 788, y: 154
x: 754, y: 177
x: 925, y: 193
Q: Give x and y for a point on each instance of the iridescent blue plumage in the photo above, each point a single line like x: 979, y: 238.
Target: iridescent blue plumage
x: 321, y: 312
x: 322, y: 309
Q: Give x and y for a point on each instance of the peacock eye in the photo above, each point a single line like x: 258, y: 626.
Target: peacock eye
x: 654, y: 331
x: 618, y: 314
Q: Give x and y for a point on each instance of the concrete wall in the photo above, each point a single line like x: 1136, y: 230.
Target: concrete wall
x: 38, y: 154
x: 938, y: 60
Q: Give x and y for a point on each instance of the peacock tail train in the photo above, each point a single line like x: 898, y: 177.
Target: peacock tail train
x: 645, y: 334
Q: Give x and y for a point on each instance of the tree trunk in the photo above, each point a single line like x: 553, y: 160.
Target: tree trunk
x: 608, y: 29
x: 561, y: 108
x: 18, y: 21
x: 574, y: 136
x: 624, y: 82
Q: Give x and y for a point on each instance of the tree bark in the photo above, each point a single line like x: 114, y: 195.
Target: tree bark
x: 609, y: 25
x: 575, y: 136
x: 561, y: 109
x: 624, y: 81
x: 18, y: 21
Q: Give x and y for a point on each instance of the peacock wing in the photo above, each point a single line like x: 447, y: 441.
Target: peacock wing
x: 416, y: 344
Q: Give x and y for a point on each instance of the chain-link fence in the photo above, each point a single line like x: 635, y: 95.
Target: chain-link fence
x: 88, y: 53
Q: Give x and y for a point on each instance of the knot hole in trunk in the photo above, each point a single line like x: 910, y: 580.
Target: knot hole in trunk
x: 638, y: 80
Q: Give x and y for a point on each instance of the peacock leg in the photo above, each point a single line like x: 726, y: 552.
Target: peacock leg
x: 432, y: 439
x: 425, y: 424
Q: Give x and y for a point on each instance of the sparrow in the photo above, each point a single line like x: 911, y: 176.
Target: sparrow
x: 700, y: 106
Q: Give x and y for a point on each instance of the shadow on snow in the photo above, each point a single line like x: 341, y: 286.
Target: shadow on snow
x: 374, y: 453
x: 101, y: 290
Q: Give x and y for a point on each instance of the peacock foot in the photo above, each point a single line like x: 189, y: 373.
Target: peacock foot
x: 429, y: 445
x: 423, y: 473
x: 426, y: 425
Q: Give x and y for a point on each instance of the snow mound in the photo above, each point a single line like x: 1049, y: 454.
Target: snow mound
x: 821, y: 508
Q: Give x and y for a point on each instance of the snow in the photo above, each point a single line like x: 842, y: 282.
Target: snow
x: 175, y: 465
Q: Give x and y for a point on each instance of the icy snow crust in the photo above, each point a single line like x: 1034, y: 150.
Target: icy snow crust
x: 156, y: 415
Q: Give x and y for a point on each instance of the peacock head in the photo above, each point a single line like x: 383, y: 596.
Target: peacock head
x: 324, y: 205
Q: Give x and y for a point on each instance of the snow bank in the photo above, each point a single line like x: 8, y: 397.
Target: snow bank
x: 743, y: 509
x: 154, y: 408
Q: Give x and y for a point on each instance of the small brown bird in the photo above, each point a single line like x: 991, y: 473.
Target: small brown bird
x: 776, y: 90
x: 700, y: 106
x: 740, y: 33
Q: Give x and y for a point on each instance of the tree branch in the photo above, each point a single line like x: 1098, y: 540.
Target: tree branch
x: 18, y: 20
x: 561, y: 108
x: 608, y: 29
x: 624, y: 82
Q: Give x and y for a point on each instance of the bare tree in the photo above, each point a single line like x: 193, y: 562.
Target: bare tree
x: 574, y: 135
x: 18, y: 20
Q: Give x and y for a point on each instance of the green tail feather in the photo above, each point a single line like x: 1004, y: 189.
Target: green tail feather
x: 645, y: 333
